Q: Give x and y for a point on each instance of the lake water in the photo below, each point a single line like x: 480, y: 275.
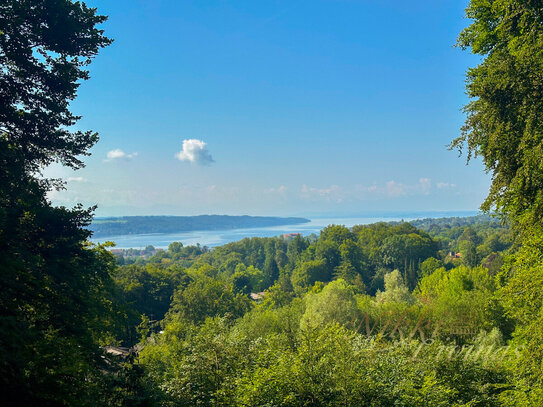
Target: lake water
x: 212, y: 238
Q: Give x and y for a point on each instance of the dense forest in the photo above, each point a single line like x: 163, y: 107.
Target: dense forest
x: 127, y: 225
x: 323, y: 320
x: 444, y: 312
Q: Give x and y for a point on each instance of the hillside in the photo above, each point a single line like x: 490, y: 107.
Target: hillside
x: 129, y: 225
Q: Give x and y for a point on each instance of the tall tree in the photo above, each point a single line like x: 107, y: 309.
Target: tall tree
x: 45, y: 46
x: 504, y: 119
x: 505, y: 127
x: 53, y: 300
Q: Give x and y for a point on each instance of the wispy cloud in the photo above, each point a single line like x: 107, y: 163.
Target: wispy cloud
x: 425, y: 185
x: 331, y: 193
x: 76, y: 179
x: 119, y: 154
x: 195, y: 151
x: 395, y: 189
x: 445, y: 185
x: 392, y: 189
x: 281, y: 190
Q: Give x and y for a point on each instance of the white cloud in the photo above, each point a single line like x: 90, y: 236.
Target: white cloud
x: 279, y: 190
x: 445, y: 185
x: 76, y: 179
x: 194, y: 151
x: 394, y: 188
x: 365, y: 190
x: 119, y: 154
x: 332, y: 193
x: 319, y: 191
x: 425, y: 185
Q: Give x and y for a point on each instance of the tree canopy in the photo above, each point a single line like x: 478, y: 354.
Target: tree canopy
x: 503, y: 123
x: 504, y: 126
x: 45, y: 47
x: 56, y: 305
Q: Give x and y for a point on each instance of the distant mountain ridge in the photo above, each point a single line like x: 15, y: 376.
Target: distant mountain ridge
x: 131, y: 225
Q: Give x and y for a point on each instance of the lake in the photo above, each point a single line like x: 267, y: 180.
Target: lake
x: 212, y: 238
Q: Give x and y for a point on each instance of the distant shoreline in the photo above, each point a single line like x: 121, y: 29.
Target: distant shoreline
x: 138, y: 225
x: 213, y: 237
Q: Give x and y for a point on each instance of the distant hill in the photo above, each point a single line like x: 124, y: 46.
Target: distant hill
x: 450, y: 222
x: 131, y: 225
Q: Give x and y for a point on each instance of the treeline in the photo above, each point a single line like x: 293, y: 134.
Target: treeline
x: 129, y: 225
x: 361, y: 256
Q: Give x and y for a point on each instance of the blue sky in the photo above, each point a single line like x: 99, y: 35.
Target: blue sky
x: 276, y: 108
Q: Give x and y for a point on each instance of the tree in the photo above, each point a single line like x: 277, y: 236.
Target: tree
x: 395, y: 289
x: 175, y: 247
x: 469, y: 235
x: 469, y: 252
x: 430, y: 265
x: 270, y: 271
x: 522, y: 296
x: 45, y: 46
x: 460, y: 298
x: 328, y: 251
x: 147, y: 291
x: 336, y: 233
x: 405, y: 251
x: 247, y: 279
x: 310, y: 272
x: 504, y: 126
x: 56, y: 292
x: 353, y: 263
x: 207, y: 297
x: 295, y: 247
x: 504, y: 123
x: 336, y: 303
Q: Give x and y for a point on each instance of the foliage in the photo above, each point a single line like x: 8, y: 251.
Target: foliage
x: 326, y: 365
x: 522, y: 296
x: 430, y: 265
x: 460, y: 301
x: 206, y: 297
x: 395, y: 289
x: 316, y: 283
x: 435, y: 312
x: 503, y: 123
x: 504, y: 127
x: 57, y: 303
x: 309, y: 272
x: 45, y: 47
x: 336, y: 303
x: 247, y: 279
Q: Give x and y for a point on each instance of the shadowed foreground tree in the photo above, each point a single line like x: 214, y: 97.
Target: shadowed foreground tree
x: 505, y: 127
x: 54, y: 303
x: 504, y: 124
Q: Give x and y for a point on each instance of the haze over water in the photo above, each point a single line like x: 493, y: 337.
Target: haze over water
x: 213, y: 238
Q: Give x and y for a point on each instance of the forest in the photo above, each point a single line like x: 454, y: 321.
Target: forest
x: 323, y: 321
x: 445, y: 312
